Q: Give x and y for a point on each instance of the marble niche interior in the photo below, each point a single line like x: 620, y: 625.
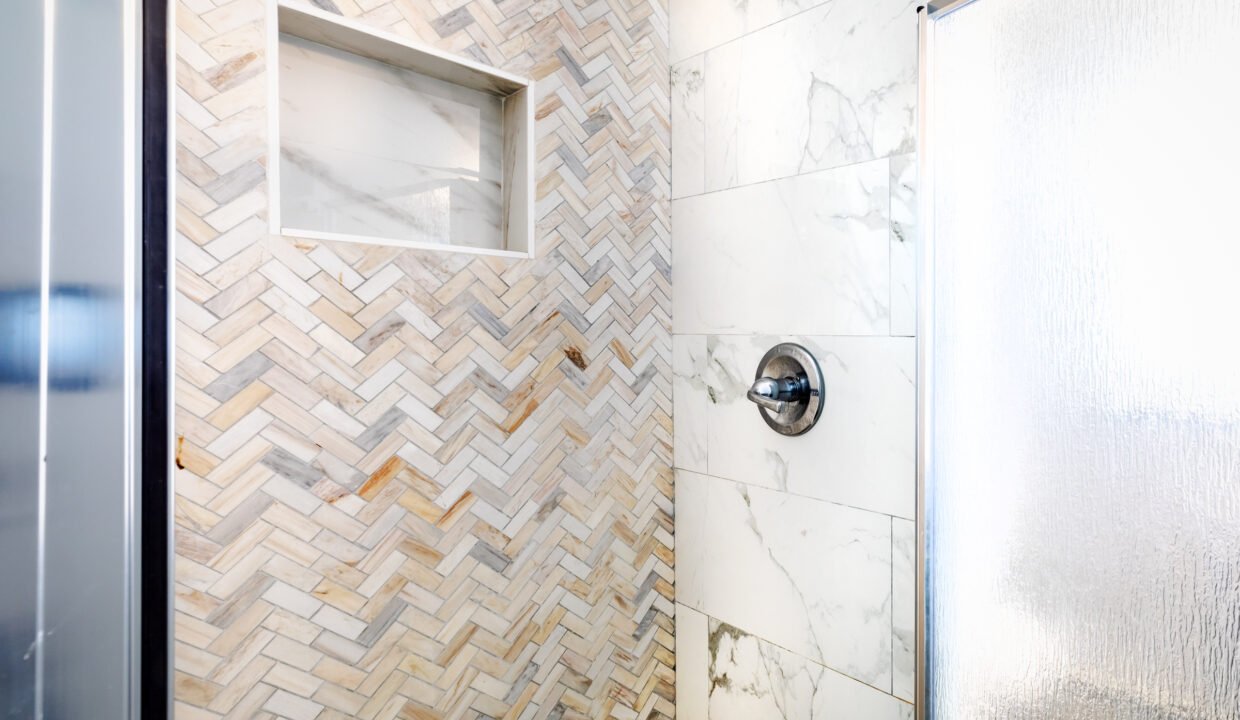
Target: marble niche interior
x: 376, y: 151
x: 793, y: 158
x: 384, y: 140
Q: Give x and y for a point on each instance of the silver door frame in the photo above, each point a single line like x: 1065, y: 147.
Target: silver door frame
x: 926, y: 19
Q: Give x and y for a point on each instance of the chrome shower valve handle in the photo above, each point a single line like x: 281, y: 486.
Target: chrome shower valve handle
x: 775, y: 394
x: 787, y: 389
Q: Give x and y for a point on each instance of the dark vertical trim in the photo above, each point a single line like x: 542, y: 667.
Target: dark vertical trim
x: 154, y: 516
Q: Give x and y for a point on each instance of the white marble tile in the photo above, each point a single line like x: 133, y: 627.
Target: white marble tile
x: 834, y: 85
x: 751, y: 679
x: 810, y: 576
x: 692, y: 664
x: 688, y: 131
x: 720, y: 138
x: 805, y: 255
x: 903, y: 608
x: 690, y: 402
x: 862, y: 452
x: 904, y: 245
x: 406, y: 157
x: 698, y: 25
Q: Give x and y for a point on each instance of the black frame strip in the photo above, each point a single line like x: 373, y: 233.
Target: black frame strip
x: 154, y: 516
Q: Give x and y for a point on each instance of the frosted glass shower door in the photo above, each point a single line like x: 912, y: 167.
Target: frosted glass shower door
x: 1081, y: 417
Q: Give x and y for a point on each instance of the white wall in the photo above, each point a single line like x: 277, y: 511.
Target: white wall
x: 793, y: 128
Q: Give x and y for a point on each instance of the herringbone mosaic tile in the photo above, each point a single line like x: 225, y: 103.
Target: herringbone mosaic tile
x: 422, y: 485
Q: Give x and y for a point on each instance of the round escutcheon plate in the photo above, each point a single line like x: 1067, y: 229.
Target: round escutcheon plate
x: 794, y: 363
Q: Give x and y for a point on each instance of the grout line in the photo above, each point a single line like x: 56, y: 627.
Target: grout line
x: 792, y: 494
x: 740, y: 37
x: 881, y: 158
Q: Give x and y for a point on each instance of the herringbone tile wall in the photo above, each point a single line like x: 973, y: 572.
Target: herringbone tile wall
x: 421, y: 485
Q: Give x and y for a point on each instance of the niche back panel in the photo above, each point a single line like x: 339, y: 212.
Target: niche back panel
x: 385, y: 140
x: 416, y: 483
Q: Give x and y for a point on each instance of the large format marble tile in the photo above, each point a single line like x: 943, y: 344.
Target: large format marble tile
x: 805, y: 255
x: 903, y: 608
x: 904, y: 245
x: 861, y: 453
x: 699, y: 25
x: 690, y: 402
x: 810, y: 576
x: 751, y: 679
x: 373, y: 150
x: 834, y: 85
x: 688, y: 131
x: 692, y: 664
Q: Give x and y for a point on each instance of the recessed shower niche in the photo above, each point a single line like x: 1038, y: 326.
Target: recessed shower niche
x: 383, y: 140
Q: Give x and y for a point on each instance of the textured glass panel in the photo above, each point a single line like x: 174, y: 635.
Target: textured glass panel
x: 1084, y: 460
x: 21, y: 174
x: 86, y: 573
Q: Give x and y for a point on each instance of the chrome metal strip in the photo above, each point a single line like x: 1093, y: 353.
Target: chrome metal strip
x: 936, y: 10
x: 925, y: 193
x: 45, y: 303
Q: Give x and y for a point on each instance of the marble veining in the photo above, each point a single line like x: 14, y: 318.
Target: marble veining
x: 835, y: 86
x: 804, y: 255
x: 688, y: 110
x: 903, y: 245
x: 692, y: 663
x: 372, y: 150
x: 903, y: 608
x: 690, y: 402
x: 750, y: 678
x: 810, y: 576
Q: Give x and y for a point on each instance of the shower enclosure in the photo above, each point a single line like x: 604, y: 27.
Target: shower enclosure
x: 84, y: 446
x: 1080, y: 421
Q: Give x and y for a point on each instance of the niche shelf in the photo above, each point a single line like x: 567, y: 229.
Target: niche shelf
x: 382, y: 140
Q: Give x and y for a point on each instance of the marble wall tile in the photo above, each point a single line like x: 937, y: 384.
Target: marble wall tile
x: 835, y: 85
x: 793, y: 219
x: 750, y: 678
x: 904, y: 245
x: 903, y: 608
x: 810, y: 576
x: 698, y: 25
x: 720, y: 136
x: 690, y: 402
x: 804, y: 255
x: 692, y: 664
x: 862, y: 452
x: 688, y: 132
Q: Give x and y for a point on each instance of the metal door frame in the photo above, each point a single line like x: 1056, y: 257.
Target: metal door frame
x: 927, y: 16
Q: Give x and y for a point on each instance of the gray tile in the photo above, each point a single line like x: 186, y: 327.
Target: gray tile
x: 227, y: 530
x: 241, y: 600
x: 490, y: 557
x: 382, y: 622
x: 288, y: 466
x: 383, y: 427
x: 239, y: 377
